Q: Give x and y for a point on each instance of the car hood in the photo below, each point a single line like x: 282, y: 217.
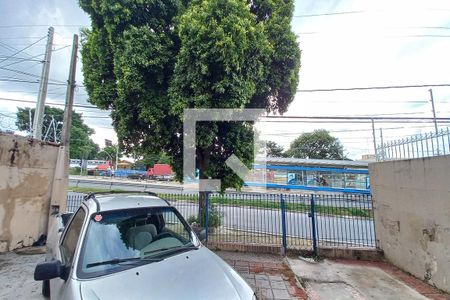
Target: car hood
x: 194, y: 274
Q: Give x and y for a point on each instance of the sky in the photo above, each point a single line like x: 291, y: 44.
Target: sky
x: 344, y: 44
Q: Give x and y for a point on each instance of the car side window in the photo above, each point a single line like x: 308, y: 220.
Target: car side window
x: 71, y: 237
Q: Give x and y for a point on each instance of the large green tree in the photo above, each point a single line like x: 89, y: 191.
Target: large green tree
x: 149, y: 60
x: 81, y: 145
x: 318, y: 144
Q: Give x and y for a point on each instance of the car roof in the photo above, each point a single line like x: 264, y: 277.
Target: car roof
x: 123, y: 201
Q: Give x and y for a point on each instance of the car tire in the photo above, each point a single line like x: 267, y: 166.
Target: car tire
x: 46, y: 288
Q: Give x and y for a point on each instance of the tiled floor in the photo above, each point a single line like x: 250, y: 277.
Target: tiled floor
x: 269, y: 277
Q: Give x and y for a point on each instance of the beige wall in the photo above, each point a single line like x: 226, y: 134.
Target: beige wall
x: 412, y: 216
x: 26, y: 174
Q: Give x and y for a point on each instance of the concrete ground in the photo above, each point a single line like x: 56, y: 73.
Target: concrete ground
x: 268, y: 275
x: 347, y: 279
x: 16, y: 276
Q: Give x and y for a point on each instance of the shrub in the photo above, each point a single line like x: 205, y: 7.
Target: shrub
x: 214, y: 220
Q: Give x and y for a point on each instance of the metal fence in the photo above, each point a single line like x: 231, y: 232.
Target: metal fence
x: 290, y: 221
x: 420, y: 145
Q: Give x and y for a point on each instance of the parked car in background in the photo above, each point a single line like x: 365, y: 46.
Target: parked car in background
x: 132, y: 246
x: 137, y: 176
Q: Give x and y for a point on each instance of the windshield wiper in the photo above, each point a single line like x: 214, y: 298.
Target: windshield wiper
x: 116, y: 261
x: 173, y: 249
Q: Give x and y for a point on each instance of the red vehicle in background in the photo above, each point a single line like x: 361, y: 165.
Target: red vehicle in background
x: 160, y: 172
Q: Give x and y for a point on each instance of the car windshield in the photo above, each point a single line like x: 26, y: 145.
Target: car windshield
x: 118, y: 240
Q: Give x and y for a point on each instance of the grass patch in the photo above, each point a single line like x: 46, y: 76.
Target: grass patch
x: 270, y: 204
x: 88, y: 190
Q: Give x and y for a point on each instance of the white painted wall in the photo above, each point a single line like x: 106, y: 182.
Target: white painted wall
x: 412, y: 216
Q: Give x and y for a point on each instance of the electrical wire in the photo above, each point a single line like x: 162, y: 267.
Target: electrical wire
x: 27, y: 81
x: 355, y: 12
x: 352, y: 12
x: 49, y: 103
x: 23, y: 49
x: 373, y: 88
x: 43, y: 25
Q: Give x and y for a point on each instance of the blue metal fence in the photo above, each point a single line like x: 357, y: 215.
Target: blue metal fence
x: 289, y: 221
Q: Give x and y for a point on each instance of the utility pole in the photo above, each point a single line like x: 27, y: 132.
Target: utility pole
x: 382, y: 143
x: 374, y: 140
x: 117, y: 155
x: 61, y: 179
x: 434, y: 117
x: 40, y: 105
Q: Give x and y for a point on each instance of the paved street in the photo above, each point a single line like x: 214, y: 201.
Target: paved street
x: 330, y: 229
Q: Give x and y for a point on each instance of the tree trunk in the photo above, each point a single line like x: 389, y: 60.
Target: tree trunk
x: 204, y: 157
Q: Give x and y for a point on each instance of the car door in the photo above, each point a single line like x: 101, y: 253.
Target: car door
x: 60, y: 288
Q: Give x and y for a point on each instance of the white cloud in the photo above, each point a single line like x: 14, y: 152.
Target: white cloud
x: 376, y: 47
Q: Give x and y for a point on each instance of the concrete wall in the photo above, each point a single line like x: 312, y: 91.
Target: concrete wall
x: 412, y: 216
x: 26, y: 173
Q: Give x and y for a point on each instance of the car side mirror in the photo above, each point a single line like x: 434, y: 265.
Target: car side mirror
x: 202, y: 235
x: 50, y: 270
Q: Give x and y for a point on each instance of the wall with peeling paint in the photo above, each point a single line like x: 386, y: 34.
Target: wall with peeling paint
x: 26, y: 173
x: 412, y: 216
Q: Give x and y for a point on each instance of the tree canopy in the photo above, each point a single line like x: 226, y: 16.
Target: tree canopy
x: 81, y: 145
x: 150, y: 60
x: 274, y: 150
x: 110, y: 153
x: 318, y: 144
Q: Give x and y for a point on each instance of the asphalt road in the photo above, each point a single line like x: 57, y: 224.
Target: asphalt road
x: 332, y: 230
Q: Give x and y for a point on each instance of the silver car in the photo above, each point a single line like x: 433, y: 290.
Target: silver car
x: 133, y: 247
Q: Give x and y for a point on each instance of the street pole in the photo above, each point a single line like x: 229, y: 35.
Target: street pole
x: 117, y: 155
x: 40, y: 105
x: 382, y: 144
x: 61, y: 179
x: 374, y: 140
x: 435, y: 122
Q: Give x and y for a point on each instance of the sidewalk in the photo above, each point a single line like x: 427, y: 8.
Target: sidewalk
x: 16, y: 276
x: 267, y: 274
x: 350, y: 279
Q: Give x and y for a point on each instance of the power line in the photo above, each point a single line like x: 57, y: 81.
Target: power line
x: 351, y: 118
x: 22, y: 58
x: 62, y: 48
x: 43, y: 25
x: 19, y: 72
x: 374, y: 88
x: 28, y: 81
x: 368, y: 101
x: 23, y: 49
x: 19, y: 37
x: 58, y: 104
x: 352, y: 12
